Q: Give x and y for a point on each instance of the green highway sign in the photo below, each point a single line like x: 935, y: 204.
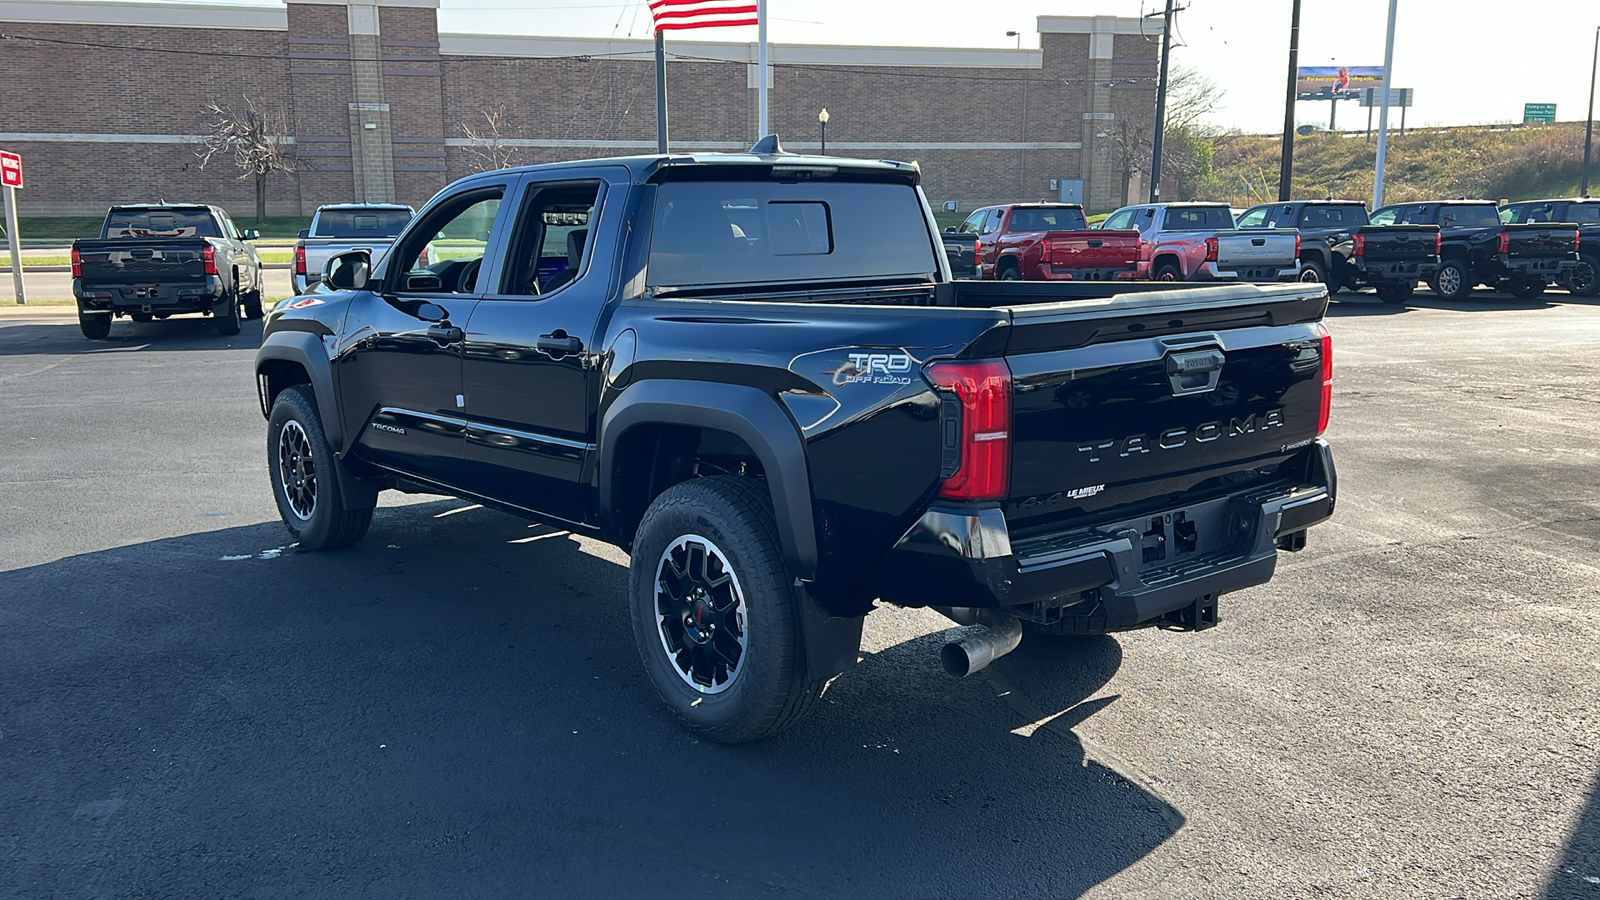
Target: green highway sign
x: 1538, y: 112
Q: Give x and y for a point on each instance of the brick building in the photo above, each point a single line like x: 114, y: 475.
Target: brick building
x: 105, y: 100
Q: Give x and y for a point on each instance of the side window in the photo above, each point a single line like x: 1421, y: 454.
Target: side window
x: 229, y: 230
x: 1254, y: 218
x: 992, y: 223
x: 1582, y: 214
x: 1120, y: 220
x: 1514, y: 214
x: 1389, y: 215
x: 550, y: 247
x: 974, y: 222
x: 1423, y: 215
x: 444, y: 253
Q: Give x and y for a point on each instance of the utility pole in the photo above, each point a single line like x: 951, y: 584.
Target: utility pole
x: 1588, y: 126
x: 1161, y: 106
x: 1286, y: 164
x: 1383, y: 113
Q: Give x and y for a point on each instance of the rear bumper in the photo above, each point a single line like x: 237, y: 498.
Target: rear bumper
x: 1388, y: 272
x: 1107, y: 273
x: 1548, y: 269
x: 1120, y: 575
x: 164, y: 299
x: 1272, y: 272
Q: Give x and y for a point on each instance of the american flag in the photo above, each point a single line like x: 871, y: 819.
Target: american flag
x: 673, y: 15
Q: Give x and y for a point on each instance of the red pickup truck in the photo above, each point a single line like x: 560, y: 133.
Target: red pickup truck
x: 1044, y: 242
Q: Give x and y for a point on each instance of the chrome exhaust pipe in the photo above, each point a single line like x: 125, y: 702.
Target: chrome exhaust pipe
x: 1001, y: 635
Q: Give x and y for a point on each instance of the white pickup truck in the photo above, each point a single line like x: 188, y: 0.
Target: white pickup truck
x: 1198, y: 242
x: 342, y: 227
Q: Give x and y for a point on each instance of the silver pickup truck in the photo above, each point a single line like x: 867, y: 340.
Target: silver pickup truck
x: 1198, y: 242
x: 340, y: 228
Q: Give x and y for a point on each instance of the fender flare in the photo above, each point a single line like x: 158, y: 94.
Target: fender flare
x: 752, y: 415
x: 1324, y: 254
x: 304, y: 349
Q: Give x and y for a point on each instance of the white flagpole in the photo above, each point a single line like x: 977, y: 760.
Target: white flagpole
x: 761, y: 70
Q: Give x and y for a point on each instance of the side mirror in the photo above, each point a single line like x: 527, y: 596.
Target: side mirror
x: 305, y: 233
x: 348, y: 271
x: 250, y: 234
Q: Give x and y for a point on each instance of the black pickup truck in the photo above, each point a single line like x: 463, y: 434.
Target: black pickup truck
x: 155, y: 261
x: 754, y: 373
x: 1340, y: 249
x: 1582, y: 213
x: 1477, y: 248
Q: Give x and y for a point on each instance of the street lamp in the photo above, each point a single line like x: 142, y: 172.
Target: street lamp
x: 1018, y: 36
x: 1588, y: 125
x: 823, y: 118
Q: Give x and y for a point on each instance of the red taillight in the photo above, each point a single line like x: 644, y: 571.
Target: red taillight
x: 1577, y: 240
x: 1297, y: 245
x: 422, y: 258
x: 1505, y: 242
x: 977, y: 256
x: 1361, y: 245
x: 300, y: 260
x: 1211, y: 249
x: 1438, y: 243
x: 209, y: 257
x: 1144, y: 249
x: 1327, y: 377
x: 982, y: 437
x: 77, y: 264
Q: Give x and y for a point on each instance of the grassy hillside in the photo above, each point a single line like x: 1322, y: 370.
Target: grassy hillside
x: 1495, y: 163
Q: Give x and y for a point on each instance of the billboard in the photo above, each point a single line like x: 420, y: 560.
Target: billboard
x: 1336, y: 82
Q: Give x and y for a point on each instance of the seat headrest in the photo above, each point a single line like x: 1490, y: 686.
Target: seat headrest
x: 575, y: 239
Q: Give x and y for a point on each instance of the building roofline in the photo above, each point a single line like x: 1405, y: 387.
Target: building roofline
x: 157, y: 15
x: 531, y: 46
x: 1099, y: 25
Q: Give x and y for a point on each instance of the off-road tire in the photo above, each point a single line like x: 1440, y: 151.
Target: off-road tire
x: 1312, y: 271
x: 329, y: 525
x: 1584, y: 281
x: 1397, y: 294
x: 1453, y: 287
x: 225, y: 315
x: 1009, y: 272
x: 1166, y: 272
x: 252, y: 305
x: 94, y: 327
x: 770, y: 689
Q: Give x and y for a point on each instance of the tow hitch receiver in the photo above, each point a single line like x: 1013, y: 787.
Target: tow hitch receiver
x: 1197, y: 616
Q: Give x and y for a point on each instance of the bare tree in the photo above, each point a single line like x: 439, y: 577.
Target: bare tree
x: 487, y: 143
x: 1191, y: 97
x: 1186, y: 148
x: 255, y: 138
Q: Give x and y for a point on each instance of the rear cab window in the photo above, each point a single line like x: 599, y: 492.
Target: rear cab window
x: 376, y: 222
x: 1469, y: 215
x: 1048, y: 218
x: 1349, y: 215
x: 163, y: 222
x: 730, y: 233
x: 1197, y: 218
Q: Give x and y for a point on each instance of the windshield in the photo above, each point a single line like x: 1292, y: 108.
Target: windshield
x: 361, y: 223
x: 1058, y: 218
x: 757, y: 232
x: 161, y: 223
x: 1197, y: 218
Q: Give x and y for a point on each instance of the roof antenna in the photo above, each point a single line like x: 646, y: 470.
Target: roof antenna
x: 768, y: 146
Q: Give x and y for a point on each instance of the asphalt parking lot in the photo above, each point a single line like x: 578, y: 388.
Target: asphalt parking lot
x: 454, y: 707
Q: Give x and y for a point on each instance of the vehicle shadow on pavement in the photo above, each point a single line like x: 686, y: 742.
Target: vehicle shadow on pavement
x: 455, y: 706
x: 1578, y: 873
x: 174, y: 334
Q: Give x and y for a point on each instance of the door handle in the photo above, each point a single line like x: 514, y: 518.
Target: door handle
x: 446, y: 335
x: 1096, y: 242
x: 558, y: 344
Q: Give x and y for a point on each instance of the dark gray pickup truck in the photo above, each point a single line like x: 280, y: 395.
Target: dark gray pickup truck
x: 155, y: 261
x: 755, y: 374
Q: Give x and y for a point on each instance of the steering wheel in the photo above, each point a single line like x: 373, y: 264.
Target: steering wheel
x: 469, y: 276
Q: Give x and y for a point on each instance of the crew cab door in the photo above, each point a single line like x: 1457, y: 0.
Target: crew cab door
x: 531, y: 367
x: 399, y: 365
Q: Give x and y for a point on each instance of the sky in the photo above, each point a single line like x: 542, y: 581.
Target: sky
x: 1468, y: 61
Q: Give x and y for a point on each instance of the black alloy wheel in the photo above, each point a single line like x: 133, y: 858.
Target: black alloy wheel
x: 1582, y: 281
x: 305, y: 476
x: 1167, y: 272
x: 716, y: 612
x: 1311, y: 271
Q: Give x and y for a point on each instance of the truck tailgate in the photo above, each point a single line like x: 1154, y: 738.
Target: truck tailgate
x: 1397, y: 243
x: 1092, y: 249
x: 1236, y: 249
x: 129, y: 261
x: 1541, y: 241
x: 1152, y: 400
